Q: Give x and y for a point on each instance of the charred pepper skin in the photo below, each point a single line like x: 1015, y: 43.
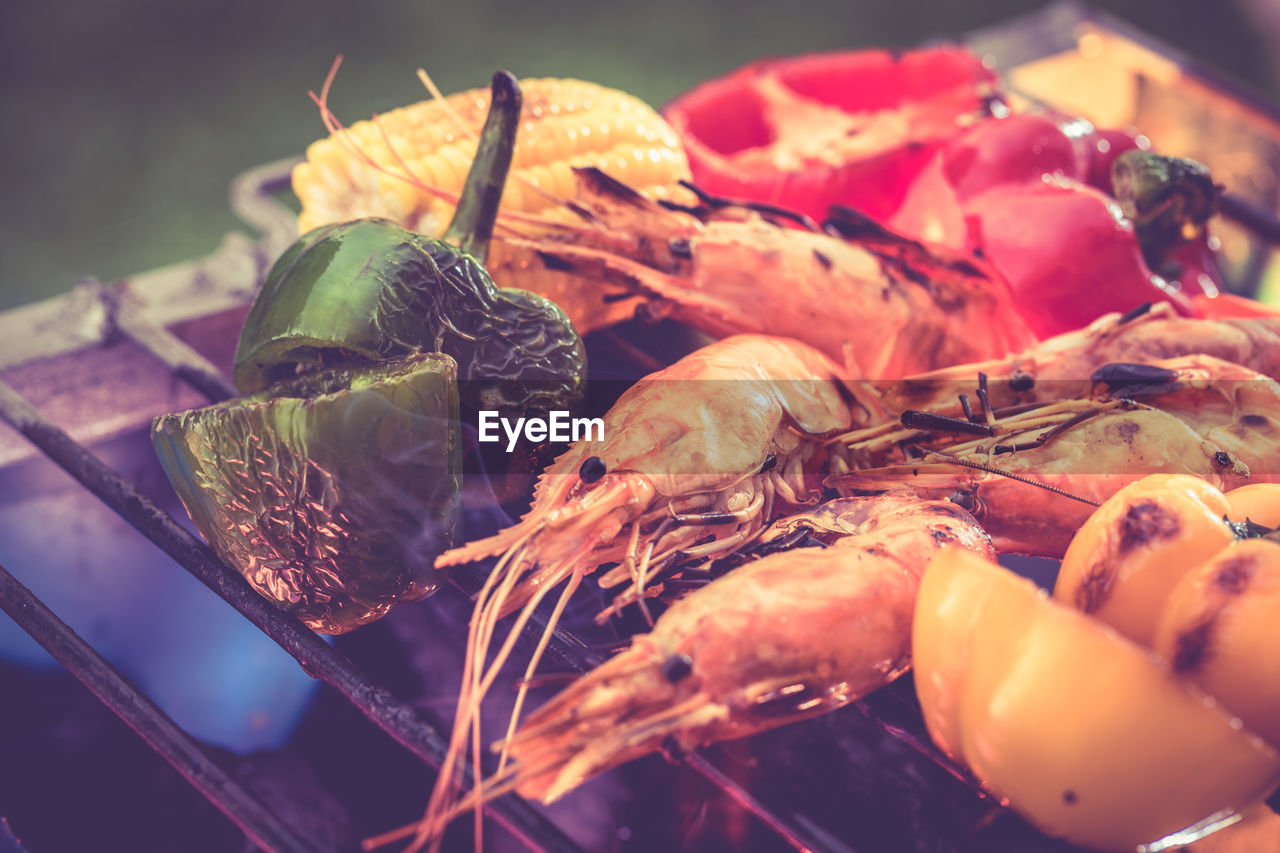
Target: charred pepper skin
x: 331, y: 493
x: 370, y: 289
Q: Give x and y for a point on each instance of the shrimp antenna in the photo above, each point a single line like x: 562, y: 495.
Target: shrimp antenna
x: 939, y: 456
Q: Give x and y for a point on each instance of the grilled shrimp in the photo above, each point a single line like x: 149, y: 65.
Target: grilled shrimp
x: 1062, y: 365
x: 702, y: 450
x: 1037, y: 470
x: 884, y: 305
x: 827, y: 626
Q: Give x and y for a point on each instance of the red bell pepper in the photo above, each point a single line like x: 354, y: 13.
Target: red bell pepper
x: 1020, y: 191
x: 1067, y: 252
x: 849, y: 128
x: 919, y: 142
x: 1014, y: 151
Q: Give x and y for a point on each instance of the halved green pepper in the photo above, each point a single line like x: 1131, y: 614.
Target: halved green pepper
x: 371, y: 289
x: 331, y: 493
x: 334, y: 489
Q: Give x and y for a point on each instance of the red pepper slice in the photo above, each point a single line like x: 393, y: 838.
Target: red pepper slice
x: 1067, y: 252
x: 1016, y: 150
x: 849, y: 128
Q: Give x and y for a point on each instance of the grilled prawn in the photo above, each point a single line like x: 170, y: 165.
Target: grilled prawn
x: 1032, y: 473
x: 1062, y: 365
x: 827, y: 626
x: 695, y: 460
x: 882, y: 304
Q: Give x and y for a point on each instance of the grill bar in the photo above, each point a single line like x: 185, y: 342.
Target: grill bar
x: 165, y: 737
x: 801, y: 840
x: 316, y: 656
x: 183, y: 361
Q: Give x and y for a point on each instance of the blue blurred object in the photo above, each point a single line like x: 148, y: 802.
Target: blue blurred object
x: 8, y: 841
x: 204, y: 664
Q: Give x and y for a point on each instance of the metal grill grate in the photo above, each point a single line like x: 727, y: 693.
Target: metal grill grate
x: 857, y: 780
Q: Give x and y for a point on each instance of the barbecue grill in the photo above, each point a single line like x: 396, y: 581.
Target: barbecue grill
x: 84, y: 374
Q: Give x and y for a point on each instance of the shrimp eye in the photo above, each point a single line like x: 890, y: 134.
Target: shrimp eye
x: 592, y: 469
x: 1021, y: 381
x: 677, y: 668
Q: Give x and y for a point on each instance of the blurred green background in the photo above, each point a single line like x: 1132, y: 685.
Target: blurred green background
x: 125, y: 122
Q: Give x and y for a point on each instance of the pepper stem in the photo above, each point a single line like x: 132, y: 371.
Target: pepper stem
x: 1168, y: 199
x: 472, y: 225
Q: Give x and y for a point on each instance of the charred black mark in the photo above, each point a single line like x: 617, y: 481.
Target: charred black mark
x: 770, y: 462
x: 1096, y: 587
x: 677, y: 668
x: 1134, y: 313
x: 1128, y: 429
x: 915, y: 419
x: 554, y: 262
x: 847, y: 222
x: 1222, y: 459
x: 695, y: 210
x: 592, y: 469
x: 582, y: 211
x: 1233, y: 577
x: 680, y: 247
x: 1134, y: 378
x: 594, y: 177
x: 916, y: 275
x: 822, y: 259
x: 715, y: 202
x: 942, y: 535
x: 965, y: 267
x: 1146, y: 522
x: 1021, y: 381
x: 1192, y: 649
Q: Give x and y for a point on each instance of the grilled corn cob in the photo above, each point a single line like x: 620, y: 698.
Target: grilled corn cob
x: 565, y: 123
